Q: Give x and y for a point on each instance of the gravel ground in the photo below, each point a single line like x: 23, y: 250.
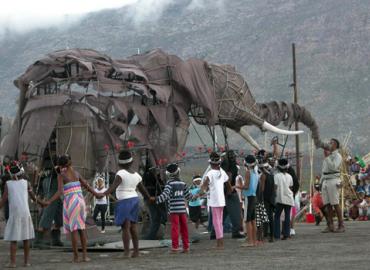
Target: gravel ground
x: 309, y: 249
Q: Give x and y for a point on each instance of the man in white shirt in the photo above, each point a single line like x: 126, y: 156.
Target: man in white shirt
x: 331, y: 185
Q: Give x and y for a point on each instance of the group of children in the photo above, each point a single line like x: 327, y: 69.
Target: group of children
x: 263, y: 188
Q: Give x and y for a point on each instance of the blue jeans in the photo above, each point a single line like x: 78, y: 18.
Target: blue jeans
x: 286, y: 229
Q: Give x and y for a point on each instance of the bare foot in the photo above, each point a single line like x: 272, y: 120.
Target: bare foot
x: 75, y: 260
x: 86, y: 259
x: 10, y: 265
x: 135, y: 254
x: 124, y: 256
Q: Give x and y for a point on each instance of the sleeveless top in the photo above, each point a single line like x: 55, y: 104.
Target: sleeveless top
x: 253, y: 183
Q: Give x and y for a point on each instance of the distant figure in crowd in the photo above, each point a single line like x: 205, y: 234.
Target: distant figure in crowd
x: 126, y: 212
x: 318, y: 206
x: 176, y: 193
x: 101, y: 204
x: 214, y: 182
x: 232, y: 208
x: 195, y: 205
x: 19, y: 226
x: 157, y: 212
x: 52, y: 215
x: 269, y: 195
x: 284, y: 198
x: 74, y: 207
x: 331, y: 185
x: 249, y: 193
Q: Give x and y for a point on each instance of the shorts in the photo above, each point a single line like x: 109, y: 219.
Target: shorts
x: 54, y: 212
x: 195, y: 213
x: 330, y: 191
x: 251, y: 209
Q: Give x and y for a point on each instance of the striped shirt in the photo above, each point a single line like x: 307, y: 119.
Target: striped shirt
x: 175, y: 193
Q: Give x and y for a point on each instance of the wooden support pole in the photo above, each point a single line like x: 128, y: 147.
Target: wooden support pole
x: 295, y: 88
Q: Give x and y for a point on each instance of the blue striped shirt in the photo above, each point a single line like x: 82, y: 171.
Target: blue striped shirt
x: 175, y: 192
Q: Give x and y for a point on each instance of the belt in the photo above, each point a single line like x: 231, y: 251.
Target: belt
x: 329, y: 173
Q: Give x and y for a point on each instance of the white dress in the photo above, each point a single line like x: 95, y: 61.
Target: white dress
x: 19, y: 226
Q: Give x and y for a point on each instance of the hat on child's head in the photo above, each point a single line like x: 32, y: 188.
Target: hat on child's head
x: 214, y: 158
x: 15, y: 169
x: 125, y: 157
x: 283, y: 163
x: 172, y: 169
x: 250, y: 160
x: 197, y: 178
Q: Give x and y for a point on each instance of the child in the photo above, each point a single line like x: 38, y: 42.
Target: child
x: 284, y: 198
x: 100, y: 204
x: 361, y: 204
x: 126, y: 210
x: 214, y: 181
x: 195, y: 204
x: 19, y: 226
x: 249, y: 192
x: 176, y: 192
x: 74, y: 207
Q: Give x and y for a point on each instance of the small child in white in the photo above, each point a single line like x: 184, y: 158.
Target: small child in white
x: 19, y: 226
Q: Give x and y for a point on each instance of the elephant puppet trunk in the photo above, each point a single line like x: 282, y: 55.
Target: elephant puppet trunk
x: 277, y: 112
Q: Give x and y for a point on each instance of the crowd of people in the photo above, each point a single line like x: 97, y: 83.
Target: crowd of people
x: 262, y: 197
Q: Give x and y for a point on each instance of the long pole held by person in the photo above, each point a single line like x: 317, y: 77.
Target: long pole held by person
x: 295, y: 88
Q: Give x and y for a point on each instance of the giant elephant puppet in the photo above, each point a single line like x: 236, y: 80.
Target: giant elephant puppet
x: 238, y: 109
x: 147, y: 99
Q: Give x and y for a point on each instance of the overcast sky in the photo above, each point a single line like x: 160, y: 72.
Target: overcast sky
x: 23, y: 15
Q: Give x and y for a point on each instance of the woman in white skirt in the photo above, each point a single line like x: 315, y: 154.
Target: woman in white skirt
x: 19, y: 226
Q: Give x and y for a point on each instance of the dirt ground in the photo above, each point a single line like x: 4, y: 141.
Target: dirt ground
x: 309, y: 249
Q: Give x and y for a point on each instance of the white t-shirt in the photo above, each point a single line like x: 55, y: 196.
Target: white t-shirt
x: 102, y: 200
x: 284, y: 195
x: 127, y: 188
x: 217, y: 178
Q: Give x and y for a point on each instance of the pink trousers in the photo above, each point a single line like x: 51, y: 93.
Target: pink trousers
x: 217, y: 220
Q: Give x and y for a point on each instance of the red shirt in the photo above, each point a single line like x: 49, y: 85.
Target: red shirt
x: 317, y: 203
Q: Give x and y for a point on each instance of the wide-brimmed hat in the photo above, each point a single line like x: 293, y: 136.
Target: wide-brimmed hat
x: 283, y: 163
x: 125, y: 157
x: 250, y: 160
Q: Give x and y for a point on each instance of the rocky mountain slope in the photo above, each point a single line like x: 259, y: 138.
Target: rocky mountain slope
x: 332, y: 41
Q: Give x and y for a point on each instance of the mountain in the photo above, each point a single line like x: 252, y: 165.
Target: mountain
x: 332, y: 40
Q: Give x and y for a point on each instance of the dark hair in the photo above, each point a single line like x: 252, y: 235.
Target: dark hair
x: 336, y: 142
x: 171, y: 168
x: 214, y: 157
x: 250, y: 159
x: 63, y: 160
x: 14, y: 169
x: 124, y: 155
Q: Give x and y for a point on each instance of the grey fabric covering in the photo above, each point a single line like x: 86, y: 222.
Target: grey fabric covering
x: 145, y: 99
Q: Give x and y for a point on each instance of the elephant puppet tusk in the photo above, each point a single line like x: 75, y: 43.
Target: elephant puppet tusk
x: 244, y: 133
x: 272, y: 128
